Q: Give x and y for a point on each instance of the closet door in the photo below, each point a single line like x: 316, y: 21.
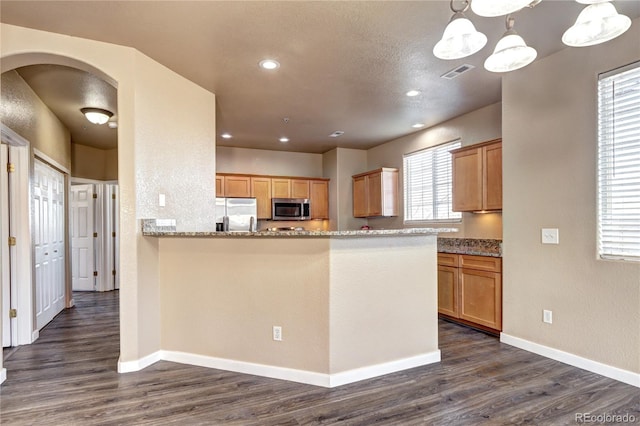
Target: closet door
x: 48, y: 236
x: 82, y: 223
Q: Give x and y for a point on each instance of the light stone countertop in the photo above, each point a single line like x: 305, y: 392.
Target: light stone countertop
x: 149, y: 229
x: 473, y: 246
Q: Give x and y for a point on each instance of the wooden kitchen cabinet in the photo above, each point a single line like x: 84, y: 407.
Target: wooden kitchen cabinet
x: 299, y: 188
x: 280, y: 188
x: 219, y: 186
x: 375, y: 193
x: 261, y: 190
x: 237, y: 186
x: 470, y: 290
x: 319, y: 198
x: 477, y: 177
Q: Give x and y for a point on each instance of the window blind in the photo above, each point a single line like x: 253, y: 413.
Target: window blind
x: 428, y: 184
x: 619, y: 164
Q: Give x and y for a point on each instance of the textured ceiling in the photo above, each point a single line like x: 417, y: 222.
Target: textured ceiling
x: 344, y: 65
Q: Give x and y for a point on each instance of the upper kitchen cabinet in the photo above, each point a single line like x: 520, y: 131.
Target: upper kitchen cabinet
x: 261, y: 190
x: 319, y: 198
x: 236, y: 186
x: 219, y: 186
x: 289, y: 188
x: 477, y: 177
x: 375, y: 193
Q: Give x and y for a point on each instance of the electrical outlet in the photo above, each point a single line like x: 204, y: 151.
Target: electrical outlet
x: 277, y: 333
x: 547, y: 316
x: 550, y: 236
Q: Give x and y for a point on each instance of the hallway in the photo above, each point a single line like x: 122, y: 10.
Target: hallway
x: 69, y: 377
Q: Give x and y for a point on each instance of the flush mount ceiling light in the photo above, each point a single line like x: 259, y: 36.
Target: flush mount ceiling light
x: 269, y: 64
x: 226, y: 136
x: 412, y: 93
x: 511, y: 52
x: 284, y: 140
x: 96, y: 115
x: 597, y: 23
x: 460, y: 37
x: 112, y: 124
x: 491, y: 8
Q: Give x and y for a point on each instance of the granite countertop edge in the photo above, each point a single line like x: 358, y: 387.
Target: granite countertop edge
x: 471, y: 246
x: 280, y: 234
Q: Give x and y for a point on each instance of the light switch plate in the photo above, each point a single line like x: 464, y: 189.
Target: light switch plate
x: 162, y: 200
x: 550, y: 236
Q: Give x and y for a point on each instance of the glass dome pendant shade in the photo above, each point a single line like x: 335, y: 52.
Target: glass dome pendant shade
x: 491, y: 8
x: 460, y: 39
x: 597, y: 23
x: 511, y: 52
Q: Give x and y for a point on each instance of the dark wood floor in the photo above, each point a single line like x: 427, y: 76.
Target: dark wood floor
x: 69, y: 377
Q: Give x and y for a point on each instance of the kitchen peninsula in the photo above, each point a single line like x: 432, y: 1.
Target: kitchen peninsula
x: 350, y: 304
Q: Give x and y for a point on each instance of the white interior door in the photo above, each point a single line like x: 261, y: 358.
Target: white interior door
x: 48, y: 210
x: 5, y: 295
x: 82, y: 241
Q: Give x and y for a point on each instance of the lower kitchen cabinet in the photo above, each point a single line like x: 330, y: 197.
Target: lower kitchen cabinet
x: 470, y: 290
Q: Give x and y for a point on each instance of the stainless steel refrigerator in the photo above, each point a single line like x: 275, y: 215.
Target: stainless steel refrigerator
x: 242, y: 213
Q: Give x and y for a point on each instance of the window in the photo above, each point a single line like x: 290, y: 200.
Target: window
x: 427, y: 185
x: 619, y: 164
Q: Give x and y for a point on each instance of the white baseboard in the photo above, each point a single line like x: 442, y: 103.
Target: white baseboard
x: 138, y: 364
x: 350, y: 376
x: 3, y: 375
x: 611, y: 372
x: 35, y: 335
x: 282, y: 373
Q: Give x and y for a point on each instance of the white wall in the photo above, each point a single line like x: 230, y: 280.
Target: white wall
x: 160, y: 113
x: 265, y: 162
x: 339, y: 165
x: 550, y: 164
x: 477, y: 126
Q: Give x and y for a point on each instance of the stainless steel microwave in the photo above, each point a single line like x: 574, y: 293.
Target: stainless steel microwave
x: 290, y: 209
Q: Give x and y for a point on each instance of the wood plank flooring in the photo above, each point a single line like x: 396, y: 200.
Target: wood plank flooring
x: 69, y: 377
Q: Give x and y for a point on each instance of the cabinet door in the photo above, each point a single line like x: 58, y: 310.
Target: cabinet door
x: 389, y: 206
x: 299, y: 188
x: 319, y: 199
x: 492, y: 188
x: 219, y: 186
x: 237, y: 186
x: 448, y: 291
x: 280, y: 188
x: 261, y: 190
x: 481, y: 297
x: 374, y: 192
x: 360, y: 196
x: 467, y: 180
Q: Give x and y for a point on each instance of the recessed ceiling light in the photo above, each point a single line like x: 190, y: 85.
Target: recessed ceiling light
x: 269, y: 64
x: 418, y: 125
x: 336, y: 134
x: 112, y: 124
x: 226, y: 136
x: 412, y: 93
x: 284, y: 139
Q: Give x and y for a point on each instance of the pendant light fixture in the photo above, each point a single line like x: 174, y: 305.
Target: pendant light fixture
x: 597, y: 23
x: 460, y: 38
x: 491, y: 8
x: 96, y: 115
x: 511, y: 52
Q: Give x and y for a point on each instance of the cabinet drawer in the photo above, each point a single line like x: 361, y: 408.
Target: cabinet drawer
x: 448, y: 259
x: 481, y: 263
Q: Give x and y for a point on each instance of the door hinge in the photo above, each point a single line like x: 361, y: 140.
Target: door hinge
x: 95, y: 273
x: 11, y: 168
x: 113, y: 272
x: 12, y: 241
x: 95, y: 195
x: 113, y: 196
x: 113, y: 234
x: 95, y: 235
x: 13, y: 313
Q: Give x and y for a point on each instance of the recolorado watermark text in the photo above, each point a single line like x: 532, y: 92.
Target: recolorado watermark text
x: 605, y: 418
